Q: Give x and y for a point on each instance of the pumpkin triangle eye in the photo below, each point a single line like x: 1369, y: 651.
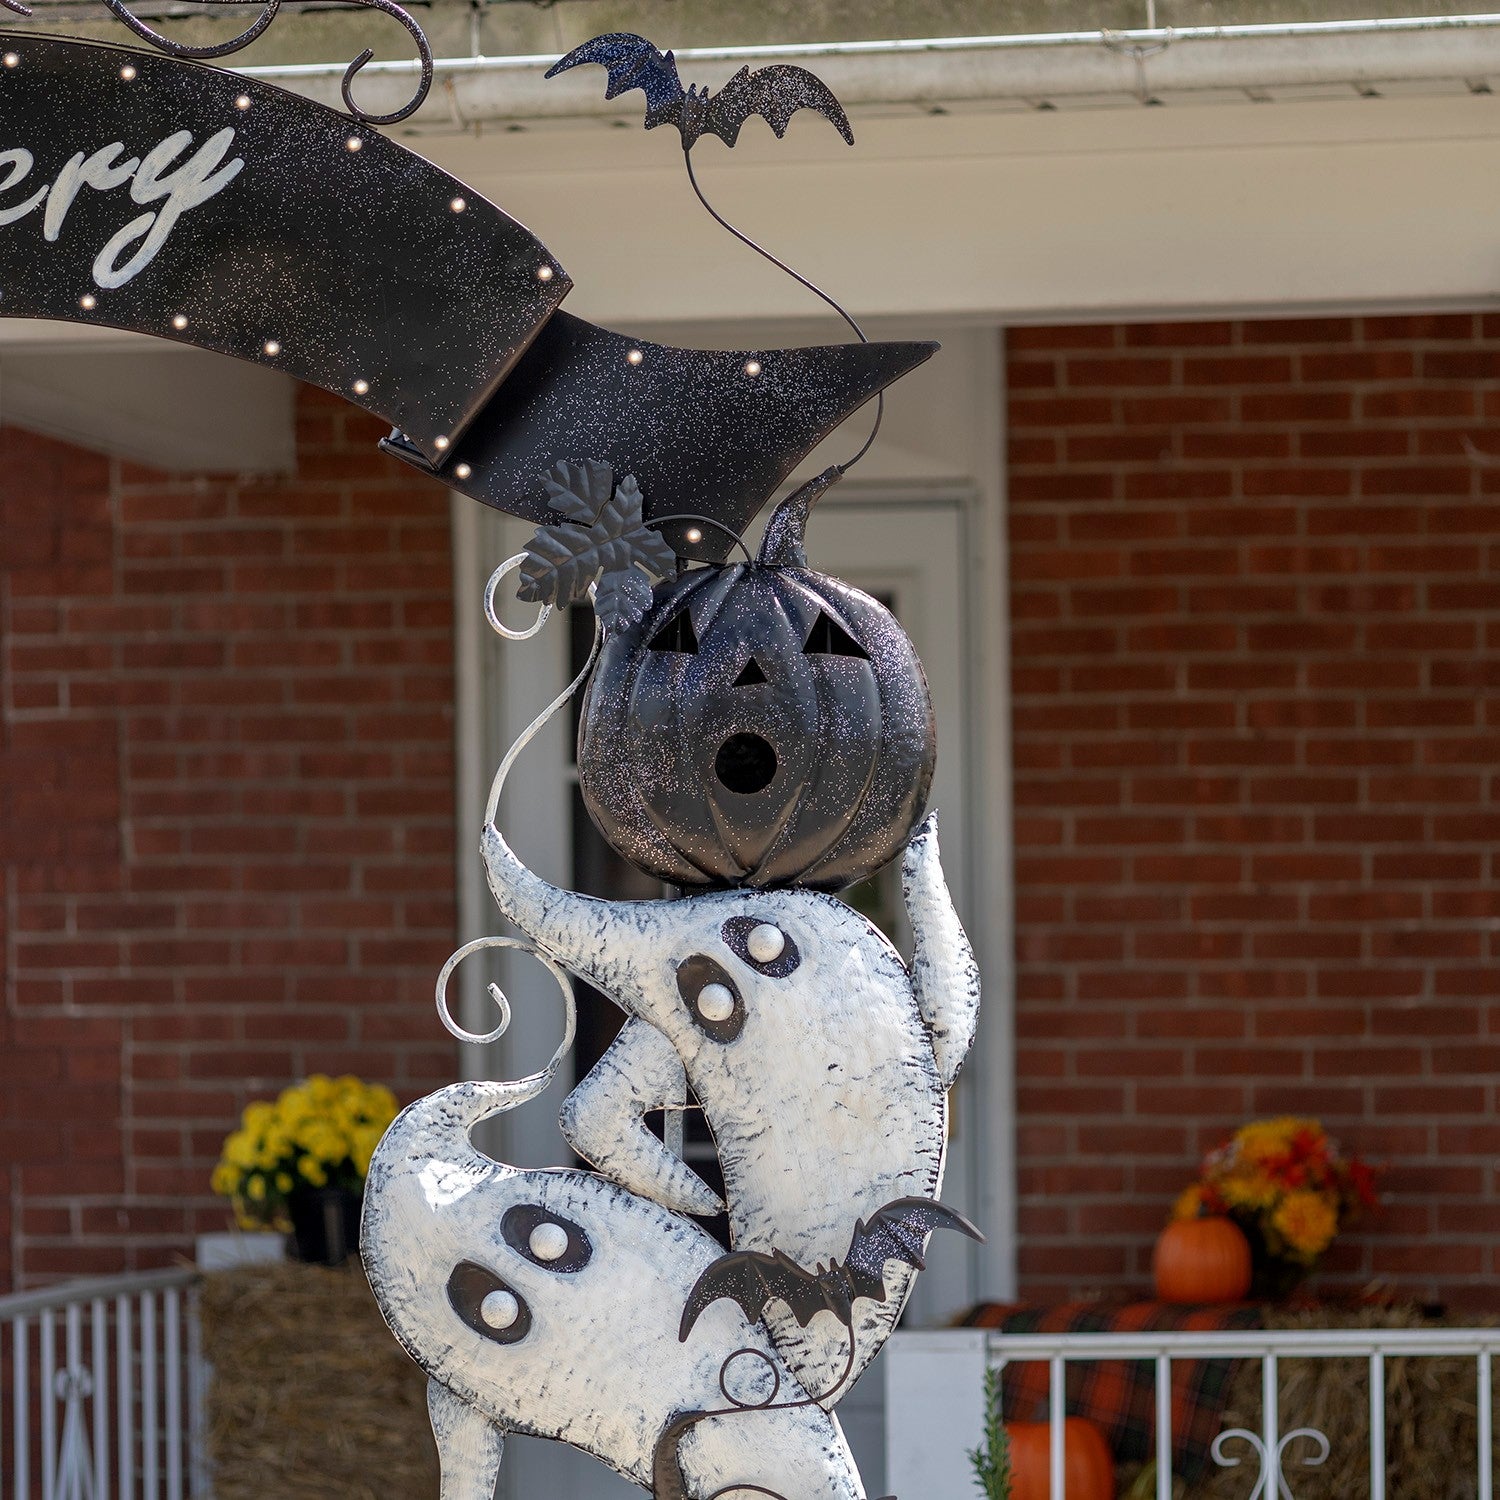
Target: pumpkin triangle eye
x: 829, y: 638
x: 676, y: 635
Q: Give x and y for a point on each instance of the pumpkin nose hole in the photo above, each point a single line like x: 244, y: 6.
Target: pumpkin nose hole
x: 751, y: 675
x: 745, y: 764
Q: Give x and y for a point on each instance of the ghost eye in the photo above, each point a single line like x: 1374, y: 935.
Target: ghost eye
x: 829, y: 638
x: 762, y: 945
x: 711, y: 997
x: 676, y: 635
x: 487, y: 1304
x: 546, y: 1239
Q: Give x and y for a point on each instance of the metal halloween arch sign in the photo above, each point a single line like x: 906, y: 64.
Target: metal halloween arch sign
x: 756, y: 732
x: 159, y: 195
x: 174, y: 199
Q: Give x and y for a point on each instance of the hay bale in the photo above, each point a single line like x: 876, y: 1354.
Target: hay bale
x: 1431, y: 1416
x: 309, y: 1395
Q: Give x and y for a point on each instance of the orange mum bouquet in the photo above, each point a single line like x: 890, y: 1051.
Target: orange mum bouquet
x: 1289, y: 1187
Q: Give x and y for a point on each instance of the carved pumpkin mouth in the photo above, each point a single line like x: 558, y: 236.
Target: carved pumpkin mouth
x: 746, y: 764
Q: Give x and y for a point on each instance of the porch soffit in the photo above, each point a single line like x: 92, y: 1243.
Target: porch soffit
x: 962, y: 202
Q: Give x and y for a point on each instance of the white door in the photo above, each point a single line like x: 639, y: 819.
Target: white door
x: 909, y: 553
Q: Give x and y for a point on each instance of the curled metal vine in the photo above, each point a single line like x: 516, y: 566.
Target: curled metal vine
x: 797, y: 276
x: 172, y: 48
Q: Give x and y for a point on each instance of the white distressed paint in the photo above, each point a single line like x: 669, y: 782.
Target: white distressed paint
x: 469, y: 1445
x: 640, y: 1072
x: 830, y: 1101
x: 944, y: 976
x: 601, y: 1366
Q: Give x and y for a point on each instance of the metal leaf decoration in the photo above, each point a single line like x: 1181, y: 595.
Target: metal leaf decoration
x: 622, y: 597
x: 579, y: 491
x: 604, y: 539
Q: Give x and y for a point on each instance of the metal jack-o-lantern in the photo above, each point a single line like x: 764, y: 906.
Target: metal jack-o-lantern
x: 762, y: 725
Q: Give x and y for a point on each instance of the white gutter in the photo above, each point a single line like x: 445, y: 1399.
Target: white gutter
x: 1024, y: 67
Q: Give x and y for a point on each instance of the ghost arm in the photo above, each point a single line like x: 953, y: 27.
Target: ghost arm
x: 602, y: 1120
x: 944, y: 976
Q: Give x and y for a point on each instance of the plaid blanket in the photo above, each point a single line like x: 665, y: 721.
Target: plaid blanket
x: 1120, y: 1395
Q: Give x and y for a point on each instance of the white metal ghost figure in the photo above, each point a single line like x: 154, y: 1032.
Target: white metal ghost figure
x: 548, y: 1302
x: 822, y: 1064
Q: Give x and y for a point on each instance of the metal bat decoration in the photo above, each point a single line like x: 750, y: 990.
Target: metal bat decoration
x: 775, y: 93
x: 753, y: 1279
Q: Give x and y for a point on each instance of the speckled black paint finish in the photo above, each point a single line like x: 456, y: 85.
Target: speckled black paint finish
x: 700, y: 433
x: 353, y: 262
x: 853, y: 736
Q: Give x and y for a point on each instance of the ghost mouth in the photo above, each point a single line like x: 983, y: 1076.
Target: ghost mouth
x: 745, y: 764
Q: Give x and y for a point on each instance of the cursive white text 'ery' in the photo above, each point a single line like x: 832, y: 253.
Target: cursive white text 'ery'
x: 153, y: 178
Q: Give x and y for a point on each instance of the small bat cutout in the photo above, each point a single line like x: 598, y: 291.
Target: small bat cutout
x: 775, y: 93
x: 752, y: 1279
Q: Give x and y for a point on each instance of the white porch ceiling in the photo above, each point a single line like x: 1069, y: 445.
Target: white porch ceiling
x: 136, y: 398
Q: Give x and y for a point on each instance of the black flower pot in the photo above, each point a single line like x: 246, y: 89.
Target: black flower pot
x: 325, y: 1224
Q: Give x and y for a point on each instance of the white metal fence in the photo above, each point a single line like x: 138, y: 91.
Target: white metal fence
x: 102, y: 1385
x: 935, y: 1407
x: 103, y: 1390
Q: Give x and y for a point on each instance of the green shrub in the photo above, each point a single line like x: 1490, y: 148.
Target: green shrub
x: 991, y: 1461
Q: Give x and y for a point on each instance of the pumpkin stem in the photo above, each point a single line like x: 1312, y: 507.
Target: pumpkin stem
x: 784, y: 544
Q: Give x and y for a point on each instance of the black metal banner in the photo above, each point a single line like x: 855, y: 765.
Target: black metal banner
x: 165, y: 197
x: 705, y: 431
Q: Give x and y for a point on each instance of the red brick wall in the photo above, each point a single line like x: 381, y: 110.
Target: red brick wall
x: 226, y: 819
x: 1256, y: 624
x: 1257, y: 734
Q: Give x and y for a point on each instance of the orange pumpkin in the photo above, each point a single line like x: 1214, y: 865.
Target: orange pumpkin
x: 1201, y: 1260
x: 1088, y: 1467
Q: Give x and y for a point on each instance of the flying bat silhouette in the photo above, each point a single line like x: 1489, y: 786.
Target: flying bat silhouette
x: 751, y: 1278
x: 775, y: 93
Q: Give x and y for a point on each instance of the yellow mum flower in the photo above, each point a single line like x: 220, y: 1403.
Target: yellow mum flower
x: 313, y: 1131
x: 326, y: 1143
x: 1189, y: 1201
x: 1248, y: 1189
x: 1307, y: 1222
x: 240, y: 1149
x: 1262, y: 1140
x: 292, y: 1108
x: 366, y: 1138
